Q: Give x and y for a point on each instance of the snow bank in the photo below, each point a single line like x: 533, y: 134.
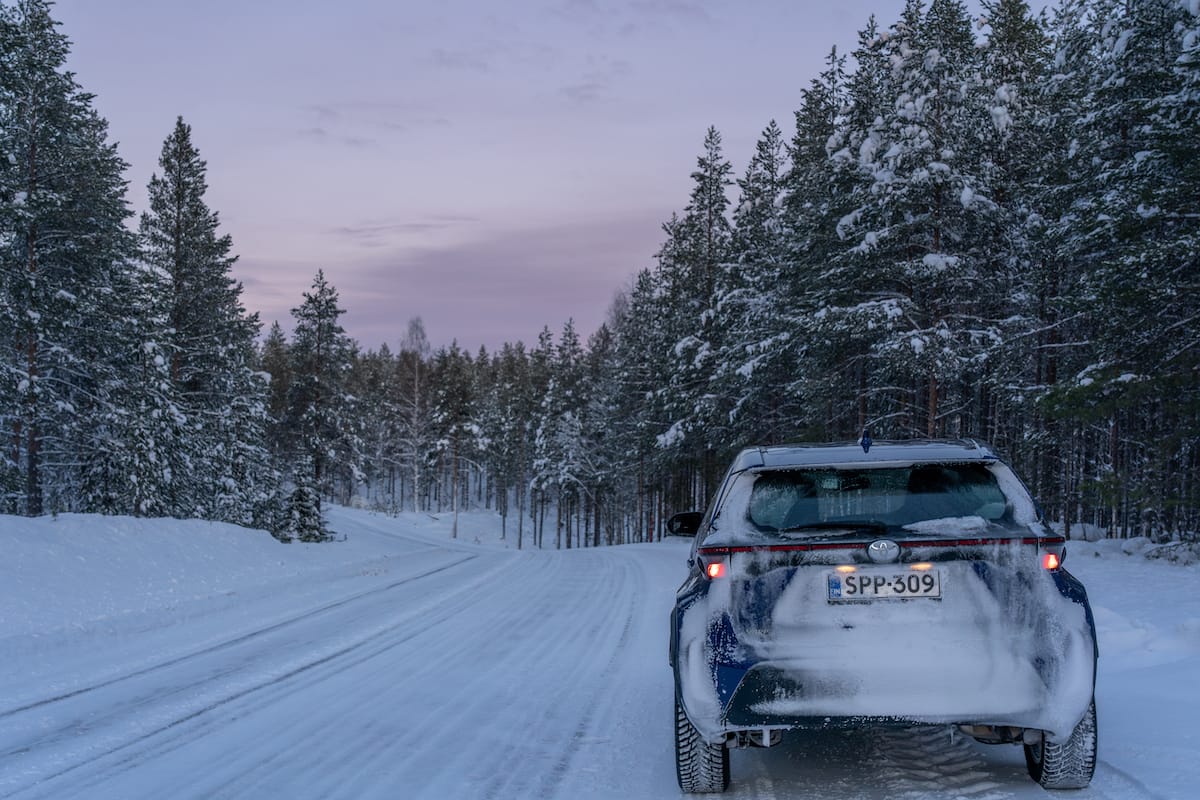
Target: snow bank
x: 74, y: 569
x: 77, y: 571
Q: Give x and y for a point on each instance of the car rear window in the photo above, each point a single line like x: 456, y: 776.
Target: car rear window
x: 781, y: 500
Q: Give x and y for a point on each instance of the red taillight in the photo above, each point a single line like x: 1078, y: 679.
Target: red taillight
x: 1051, y: 561
x: 714, y: 563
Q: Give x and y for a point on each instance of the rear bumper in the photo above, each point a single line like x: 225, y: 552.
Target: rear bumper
x: 1015, y: 652
x: 783, y: 695
x: 850, y: 681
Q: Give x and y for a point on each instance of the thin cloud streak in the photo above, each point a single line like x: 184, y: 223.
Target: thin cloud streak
x: 373, y: 233
x: 498, y: 288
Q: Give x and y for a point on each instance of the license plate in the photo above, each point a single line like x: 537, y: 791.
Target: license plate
x: 882, y: 584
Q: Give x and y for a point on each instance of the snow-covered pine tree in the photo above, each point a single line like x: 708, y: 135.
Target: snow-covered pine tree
x: 541, y: 370
x: 508, y: 407
x: 1048, y: 289
x: 483, y: 377
x: 213, y: 351
x: 63, y: 247
x: 1020, y: 150
x: 1146, y: 218
x: 1131, y: 236
x: 751, y: 299
x: 606, y: 468
x: 562, y: 464
x: 689, y: 264
x: 248, y: 482
x: 373, y: 383
x: 275, y: 360
x: 641, y: 359
x: 137, y: 467
x: 927, y: 222
x: 811, y: 196
x: 320, y: 417
x: 304, y: 520
x: 852, y: 304
x: 828, y: 368
x: 453, y: 415
x: 416, y: 442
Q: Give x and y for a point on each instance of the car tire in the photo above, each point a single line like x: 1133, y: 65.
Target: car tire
x: 1069, y: 764
x: 700, y: 766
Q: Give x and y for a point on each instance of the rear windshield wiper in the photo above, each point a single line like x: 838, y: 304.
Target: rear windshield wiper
x: 849, y: 526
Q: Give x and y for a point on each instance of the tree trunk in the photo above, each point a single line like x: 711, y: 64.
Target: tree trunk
x: 454, y: 484
x: 520, y: 511
x: 931, y: 427
x: 596, y: 522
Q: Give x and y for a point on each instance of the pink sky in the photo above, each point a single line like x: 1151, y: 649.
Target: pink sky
x: 491, y: 167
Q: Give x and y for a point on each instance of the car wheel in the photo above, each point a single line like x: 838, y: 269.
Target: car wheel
x: 1069, y: 764
x: 699, y: 765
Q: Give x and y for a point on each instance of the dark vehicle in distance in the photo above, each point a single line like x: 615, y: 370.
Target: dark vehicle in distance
x: 907, y: 583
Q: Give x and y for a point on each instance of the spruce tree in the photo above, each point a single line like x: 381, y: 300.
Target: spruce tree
x: 63, y: 250
x: 607, y: 469
x: 372, y: 381
x: 1130, y: 236
x: 697, y: 248
x: 454, y: 420
x: 139, y: 468
x: 851, y: 303
x: 276, y: 362
x: 320, y: 416
x: 212, y: 355
x: 923, y: 229
x: 749, y: 300
x: 1022, y: 149
x: 823, y: 369
x: 304, y: 520
x: 505, y: 418
x: 561, y: 462
x: 414, y: 425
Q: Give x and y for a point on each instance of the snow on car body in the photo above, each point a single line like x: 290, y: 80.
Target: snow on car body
x: 910, y: 583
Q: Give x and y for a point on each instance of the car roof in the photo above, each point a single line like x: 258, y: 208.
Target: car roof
x: 852, y: 454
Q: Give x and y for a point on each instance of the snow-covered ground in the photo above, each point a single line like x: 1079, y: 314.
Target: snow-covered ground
x: 151, y: 659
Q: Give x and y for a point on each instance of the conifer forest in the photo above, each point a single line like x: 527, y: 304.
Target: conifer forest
x: 984, y: 228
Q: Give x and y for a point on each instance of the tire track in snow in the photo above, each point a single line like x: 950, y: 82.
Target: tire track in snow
x: 87, y: 721
x: 881, y: 763
x: 382, y: 742
x: 228, y: 643
x: 936, y: 760
x: 1130, y: 787
x: 464, y: 681
x: 553, y: 613
x: 525, y: 694
x: 176, y: 728
x: 600, y: 686
x: 279, y: 691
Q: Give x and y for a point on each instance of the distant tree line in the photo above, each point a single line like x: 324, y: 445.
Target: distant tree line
x: 993, y: 238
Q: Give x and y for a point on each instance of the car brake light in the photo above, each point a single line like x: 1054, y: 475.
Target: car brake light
x: 714, y: 563
x: 1050, y: 561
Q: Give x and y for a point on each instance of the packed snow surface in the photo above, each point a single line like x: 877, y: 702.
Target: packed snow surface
x: 157, y: 658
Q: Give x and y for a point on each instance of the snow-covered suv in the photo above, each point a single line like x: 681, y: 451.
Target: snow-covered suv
x: 907, y: 583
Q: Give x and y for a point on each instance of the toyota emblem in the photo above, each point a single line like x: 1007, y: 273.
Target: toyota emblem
x: 883, y: 551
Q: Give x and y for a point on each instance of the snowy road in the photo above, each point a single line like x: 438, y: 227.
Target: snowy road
x: 440, y: 669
